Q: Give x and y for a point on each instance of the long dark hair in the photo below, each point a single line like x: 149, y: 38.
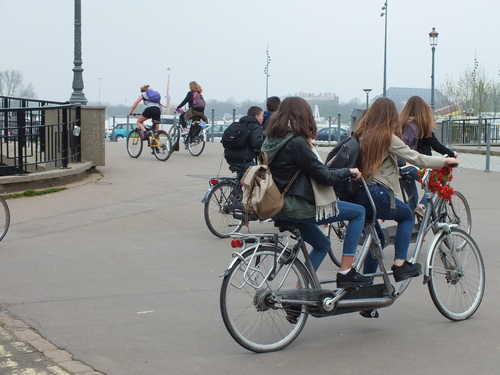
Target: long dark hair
x: 293, y: 114
x: 375, y: 129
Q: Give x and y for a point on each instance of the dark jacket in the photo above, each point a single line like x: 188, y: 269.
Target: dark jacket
x: 187, y: 100
x: 267, y: 116
x: 426, y: 145
x: 248, y: 153
x: 291, y: 153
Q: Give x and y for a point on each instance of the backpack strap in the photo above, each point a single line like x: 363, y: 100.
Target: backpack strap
x: 264, y: 161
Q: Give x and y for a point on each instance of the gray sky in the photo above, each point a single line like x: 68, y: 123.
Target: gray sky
x: 315, y: 46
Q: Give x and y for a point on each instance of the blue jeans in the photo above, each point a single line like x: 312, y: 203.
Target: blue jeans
x: 411, y: 189
x: 320, y: 243
x: 403, y: 215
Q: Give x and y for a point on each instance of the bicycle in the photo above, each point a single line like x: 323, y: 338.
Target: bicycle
x: 267, y: 292
x: 4, y: 218
x: 456, y: 210
x: 193, y: 140
x: 222, y: 199
x: 159, y: 141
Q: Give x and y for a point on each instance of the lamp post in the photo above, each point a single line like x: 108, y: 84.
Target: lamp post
x: 266, y: 71
x: 384, y: 13
x: 99, y: 90
x: 78, y: 96
x: 367, y: 97
x: 433, y: 38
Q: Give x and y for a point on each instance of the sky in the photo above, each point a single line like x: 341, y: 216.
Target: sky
x: 315, y: 46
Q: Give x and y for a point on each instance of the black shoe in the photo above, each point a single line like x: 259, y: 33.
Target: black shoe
x: 406, y: 271
x: 353, y: 279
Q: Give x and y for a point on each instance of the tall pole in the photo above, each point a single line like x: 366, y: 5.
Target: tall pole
x: 78, y: 96
x: 367, y: 97
x: 99, y: 90
x: 384, y: 13
x: 168, y: 92
x: 433, y: 36
x: 266, y: 70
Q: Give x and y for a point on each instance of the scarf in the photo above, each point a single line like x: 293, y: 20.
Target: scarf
x: 325, y: 198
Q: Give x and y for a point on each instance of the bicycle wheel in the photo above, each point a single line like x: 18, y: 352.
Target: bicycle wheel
x: 456, y: 275
x: 218, y: 210
x: 4, y: 218
x: 162, y: 145
x: 196, y: 144
x: 134, y: 144
x: 458, y: 211
x: 335, y: 233
x: 174, y: 134
x: 250, y: 312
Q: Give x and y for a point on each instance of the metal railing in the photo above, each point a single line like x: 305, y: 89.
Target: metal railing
x: 37, y: 135
x: 471, y: 131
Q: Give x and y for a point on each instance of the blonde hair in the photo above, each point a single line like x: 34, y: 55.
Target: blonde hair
x: 421, y: 113
x: 144, y: 88
x: 375, y: 129
x: 193, y: 86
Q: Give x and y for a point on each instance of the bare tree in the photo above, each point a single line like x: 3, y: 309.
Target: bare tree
x: 12, y: 84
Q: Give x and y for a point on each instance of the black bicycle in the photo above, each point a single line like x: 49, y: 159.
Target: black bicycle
x: 193, y: 140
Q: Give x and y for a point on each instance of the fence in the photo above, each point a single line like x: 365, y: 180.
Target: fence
x: 470, y: 131
x: 36, y: 135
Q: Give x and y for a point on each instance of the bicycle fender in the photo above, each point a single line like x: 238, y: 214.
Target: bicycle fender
x: 444, y: 229
x: 207, y: 194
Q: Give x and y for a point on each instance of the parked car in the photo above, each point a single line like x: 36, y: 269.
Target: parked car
x: 218, y: 130
x: 333, y: 131
x: 121, y: 131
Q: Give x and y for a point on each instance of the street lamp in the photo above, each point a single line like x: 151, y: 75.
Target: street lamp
x: 78, y: 96
x: 266, y: 71
x: 384, y: 13
x: 367, y: 97
x: 433, y: 38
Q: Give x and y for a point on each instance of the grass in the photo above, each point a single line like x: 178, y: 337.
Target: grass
x: 33, y: 193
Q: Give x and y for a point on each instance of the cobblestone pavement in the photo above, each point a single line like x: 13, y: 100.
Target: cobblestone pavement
x: 23, y: 351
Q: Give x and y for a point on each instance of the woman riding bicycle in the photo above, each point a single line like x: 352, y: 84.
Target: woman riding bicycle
x: 193, y: 111
x: 152, y: 111
x: 379, y: 132
x: 311, y: 199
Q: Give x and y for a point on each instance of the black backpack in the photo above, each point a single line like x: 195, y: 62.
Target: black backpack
x: 236, y: 136
x: 345, y: 155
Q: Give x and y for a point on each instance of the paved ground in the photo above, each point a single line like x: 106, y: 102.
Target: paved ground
x: 120, y: 276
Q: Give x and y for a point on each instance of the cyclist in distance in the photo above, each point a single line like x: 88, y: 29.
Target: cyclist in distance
x: 311, y: 199
x: 379, y: 133
x: 193, y: 111
x: 152, y: 111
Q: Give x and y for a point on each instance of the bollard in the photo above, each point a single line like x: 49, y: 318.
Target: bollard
x: 488, y: 146
x: 329, y: 130
x: 212, y: 130
x: 479, y: 132
x: 338, y: 124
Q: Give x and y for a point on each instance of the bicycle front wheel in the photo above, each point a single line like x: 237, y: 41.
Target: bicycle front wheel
x: 218, y: 210
x: 196, y: 144
x: 458, y: 211
x: 336, y: 234
x: 456, y: 275
x: 4, y: 218
x: 134, y: 144
x: 161, y: 145
x: 250, y: 311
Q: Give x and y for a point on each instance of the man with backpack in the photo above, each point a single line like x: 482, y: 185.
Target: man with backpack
x: 242, y: 140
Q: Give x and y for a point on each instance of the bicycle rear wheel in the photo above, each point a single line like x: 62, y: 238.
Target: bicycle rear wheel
x: 4, y: 218
x: 250, y: 312
x: 162, y: 145
x: 196, y: 144
x: 174, y: 134
x: 134, y: 144
x: 456, y: 275
x: 218, y: 210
